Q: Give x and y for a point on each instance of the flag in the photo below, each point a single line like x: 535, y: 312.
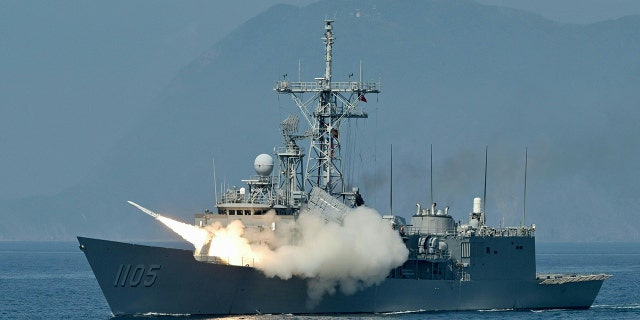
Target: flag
x: 361, y: 97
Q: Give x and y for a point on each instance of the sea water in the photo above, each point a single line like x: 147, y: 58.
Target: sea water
x: 52, y: 280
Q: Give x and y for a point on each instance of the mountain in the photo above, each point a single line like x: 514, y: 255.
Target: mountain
x: 455, y: 74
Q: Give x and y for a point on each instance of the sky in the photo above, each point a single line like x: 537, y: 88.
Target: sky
x: 573, y: 11
x: 74, y: 74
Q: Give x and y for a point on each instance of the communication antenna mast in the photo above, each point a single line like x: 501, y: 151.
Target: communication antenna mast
x: 334, y: 102
x: 391, y: 185
x: 431, y: 174
x: 484, y: 197
x: 215, y: 182
x: 524, y: 197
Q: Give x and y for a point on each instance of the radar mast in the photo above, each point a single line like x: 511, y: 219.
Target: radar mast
x: 330, y: 104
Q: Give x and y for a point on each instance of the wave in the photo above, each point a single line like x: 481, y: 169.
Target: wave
x: 38, y: 276
x: 159, y: 314
x: 616, y: 306
x: 401, y: 312
x: 496, y: 310
x: 548, y: 310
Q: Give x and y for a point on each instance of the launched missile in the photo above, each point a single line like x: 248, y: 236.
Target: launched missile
x: 143, y: 209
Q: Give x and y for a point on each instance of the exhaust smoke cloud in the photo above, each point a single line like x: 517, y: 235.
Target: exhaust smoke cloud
x: 347, y: 256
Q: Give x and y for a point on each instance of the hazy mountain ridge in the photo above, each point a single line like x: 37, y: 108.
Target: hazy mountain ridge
x: 456, y: 74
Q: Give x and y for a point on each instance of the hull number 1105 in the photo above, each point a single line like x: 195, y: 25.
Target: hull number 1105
x: 133, y: 276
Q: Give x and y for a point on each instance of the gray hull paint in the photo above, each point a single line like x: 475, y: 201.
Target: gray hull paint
x: 137, y: 279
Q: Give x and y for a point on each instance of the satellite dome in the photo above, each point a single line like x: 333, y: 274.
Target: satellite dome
x: 263, y: 165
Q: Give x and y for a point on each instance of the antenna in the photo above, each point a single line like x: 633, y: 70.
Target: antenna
x: 484, y: 197
x: 524, y: 197
x: 215, y: 182
x: 431, y: 174
x: 324, y: 168
x: 391, y: 184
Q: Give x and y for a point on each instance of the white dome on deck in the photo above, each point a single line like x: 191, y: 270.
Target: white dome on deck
x: 263, y: 165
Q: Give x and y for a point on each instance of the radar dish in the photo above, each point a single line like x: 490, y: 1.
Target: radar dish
x: 263, y: 165
x: 290, y: 124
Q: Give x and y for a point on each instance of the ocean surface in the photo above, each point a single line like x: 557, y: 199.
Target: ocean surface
x: 52, y: 280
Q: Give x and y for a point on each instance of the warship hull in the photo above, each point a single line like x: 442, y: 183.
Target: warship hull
x: 139, y: 279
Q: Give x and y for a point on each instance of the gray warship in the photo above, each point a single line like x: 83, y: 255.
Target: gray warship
x: 445, y: 265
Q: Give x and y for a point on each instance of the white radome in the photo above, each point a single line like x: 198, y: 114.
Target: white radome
x: 263, y: 165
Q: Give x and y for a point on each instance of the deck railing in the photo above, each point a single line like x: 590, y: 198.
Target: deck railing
x: 308, y: 86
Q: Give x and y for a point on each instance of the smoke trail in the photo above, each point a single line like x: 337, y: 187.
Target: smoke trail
x: 193, y: 234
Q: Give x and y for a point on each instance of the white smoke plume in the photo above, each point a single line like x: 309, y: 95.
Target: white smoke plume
x: 347, y: 256
x: 358, y: 253
x: 194, y: 234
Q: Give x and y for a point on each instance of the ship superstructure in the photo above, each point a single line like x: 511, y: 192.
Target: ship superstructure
x: 449, y: 265
x: 325, y: 106
x: 335, y: 102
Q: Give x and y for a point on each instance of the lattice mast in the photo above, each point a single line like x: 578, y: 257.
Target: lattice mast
x: 291, y: 185
x: 334, y: 102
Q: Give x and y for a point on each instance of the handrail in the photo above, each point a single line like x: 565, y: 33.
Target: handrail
x: 307, y: 86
